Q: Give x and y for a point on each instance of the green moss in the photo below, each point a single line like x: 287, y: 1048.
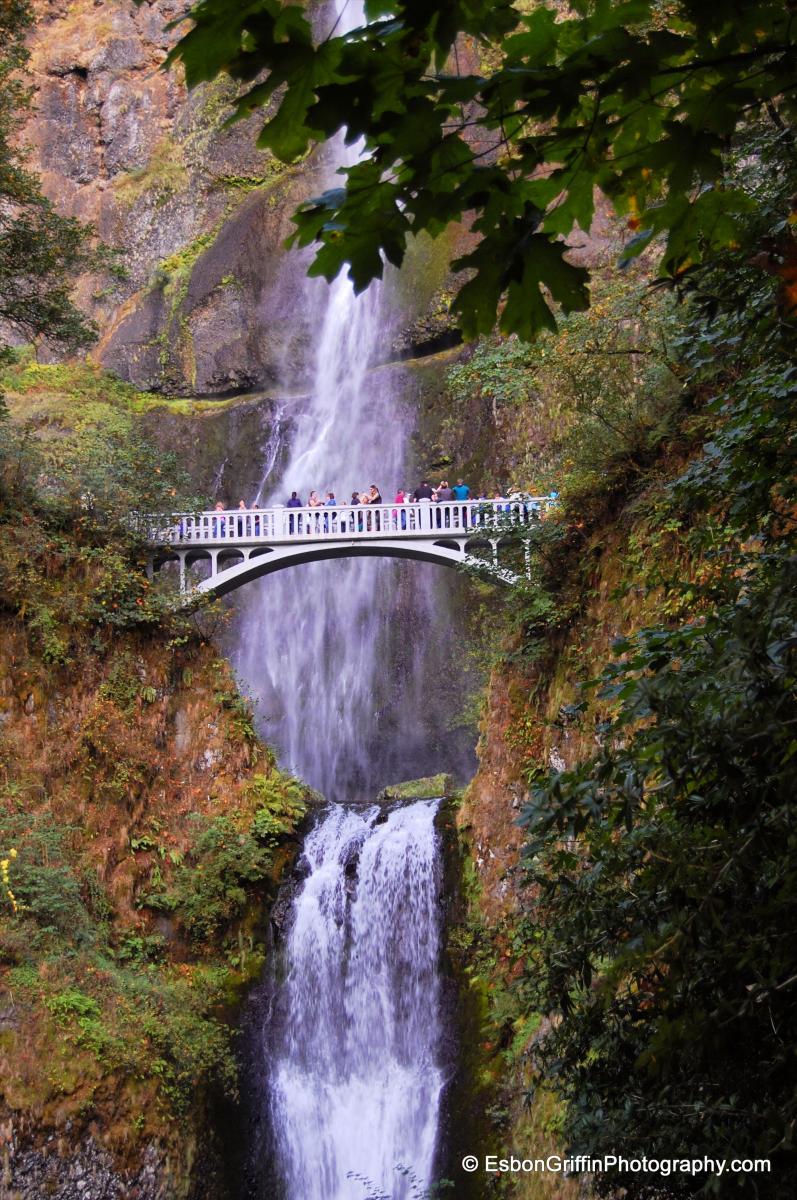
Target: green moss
x: 81, y: 395
x: 165, y: 175
x: 252, y: 183
x: 431, y: 787
x: 176, y: 265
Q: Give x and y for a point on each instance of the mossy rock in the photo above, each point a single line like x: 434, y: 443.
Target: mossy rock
x: 429, y: 788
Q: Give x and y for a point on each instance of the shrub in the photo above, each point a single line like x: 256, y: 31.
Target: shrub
x: 210, y: 886
x: 282, y: 806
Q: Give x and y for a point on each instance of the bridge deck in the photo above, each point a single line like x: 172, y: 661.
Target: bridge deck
x: 282, y: 526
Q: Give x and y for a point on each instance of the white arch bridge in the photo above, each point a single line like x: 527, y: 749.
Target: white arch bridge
x: 242, y: 544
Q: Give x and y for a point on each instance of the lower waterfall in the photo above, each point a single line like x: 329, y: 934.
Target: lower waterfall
x: 351, y: 1040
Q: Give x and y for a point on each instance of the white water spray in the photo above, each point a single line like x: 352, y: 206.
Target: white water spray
x: 355, y: 1034
x: 318, y: 646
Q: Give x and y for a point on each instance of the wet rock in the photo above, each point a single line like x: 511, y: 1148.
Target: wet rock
x: 302, y: 867
x: 89, y: 1172
x: 281, y: 909
x: 431, y: 787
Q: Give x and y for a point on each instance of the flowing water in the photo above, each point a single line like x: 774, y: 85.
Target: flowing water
x: 344, y: 659
x: 317, y: 678
x: 347, y: 660
x: 353, y: 1039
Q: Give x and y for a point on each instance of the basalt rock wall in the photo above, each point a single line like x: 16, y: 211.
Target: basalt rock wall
x: 208, y: 301
x: 197, y: 214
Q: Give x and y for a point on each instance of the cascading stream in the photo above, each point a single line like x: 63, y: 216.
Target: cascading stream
x: 355, y: 1033
x: 338, y: 656
x: 333, y: 653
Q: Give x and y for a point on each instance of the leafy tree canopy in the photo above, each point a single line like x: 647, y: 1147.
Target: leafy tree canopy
x: 40, y: 251
x: 638, y: 99
x: 663, y: 862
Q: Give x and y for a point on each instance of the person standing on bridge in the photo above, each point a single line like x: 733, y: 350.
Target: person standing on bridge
x: 443, y: 495
x: 375, y: 497
x: 356, y: 500
x: 294, y: 502
x: 365, y: 518
x: 313, y: 523
x: 462, y: 494
x: 400, y: 498
x: 330, y: 502
x: 219, y: 523
x: 423, y: 492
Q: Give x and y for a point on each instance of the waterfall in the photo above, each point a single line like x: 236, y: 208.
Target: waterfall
x: 316, y: 679
x: 347, y: 660
x: 343, y: 658
x: 352, y: 1046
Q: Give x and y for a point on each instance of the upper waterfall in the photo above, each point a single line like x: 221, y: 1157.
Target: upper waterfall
x: 330, y: 651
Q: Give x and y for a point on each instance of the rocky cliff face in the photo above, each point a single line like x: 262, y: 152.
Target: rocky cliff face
x: 197, y: 214
x: 208, y: 302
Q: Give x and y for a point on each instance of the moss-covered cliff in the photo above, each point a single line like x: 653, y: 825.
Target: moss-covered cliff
x: 631, y: 826
x: 143, y: 831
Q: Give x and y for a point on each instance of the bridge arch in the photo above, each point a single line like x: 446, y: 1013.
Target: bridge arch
x: 258, y: 563
x: 245, y: 544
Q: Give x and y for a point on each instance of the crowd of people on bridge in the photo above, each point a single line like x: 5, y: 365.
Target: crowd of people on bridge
x: 395, y: 518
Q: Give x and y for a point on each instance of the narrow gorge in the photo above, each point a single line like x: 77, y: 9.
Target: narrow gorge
x: 367, y: 878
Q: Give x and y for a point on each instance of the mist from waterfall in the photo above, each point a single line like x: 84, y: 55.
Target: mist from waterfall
x: 336, y: 654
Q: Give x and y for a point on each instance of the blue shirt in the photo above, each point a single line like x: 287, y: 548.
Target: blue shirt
x: 461, y: 491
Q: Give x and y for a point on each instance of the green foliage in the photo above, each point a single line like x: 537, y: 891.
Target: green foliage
x: 214, y: 884
x: 637, y: 101
x: 73, y: 1003
x: 282, y: 805
x: 242, y: 727
x: 44, y: 882
x: 40, y: 251
x: 592, y: 401
x: 664, y: 862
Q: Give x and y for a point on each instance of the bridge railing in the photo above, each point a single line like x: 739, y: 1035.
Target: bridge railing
x: 344, y: 521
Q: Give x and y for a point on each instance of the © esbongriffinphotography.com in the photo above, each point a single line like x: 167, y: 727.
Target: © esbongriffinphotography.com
x: 398, y: 606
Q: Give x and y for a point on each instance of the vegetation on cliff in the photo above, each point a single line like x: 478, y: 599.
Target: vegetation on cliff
x: 142, y: 824
x: 40, y: 251
x: 654, y: 672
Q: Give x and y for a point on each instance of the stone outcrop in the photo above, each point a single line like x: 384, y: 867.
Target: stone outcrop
x: 206, y: 300
x: 196, y: 213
